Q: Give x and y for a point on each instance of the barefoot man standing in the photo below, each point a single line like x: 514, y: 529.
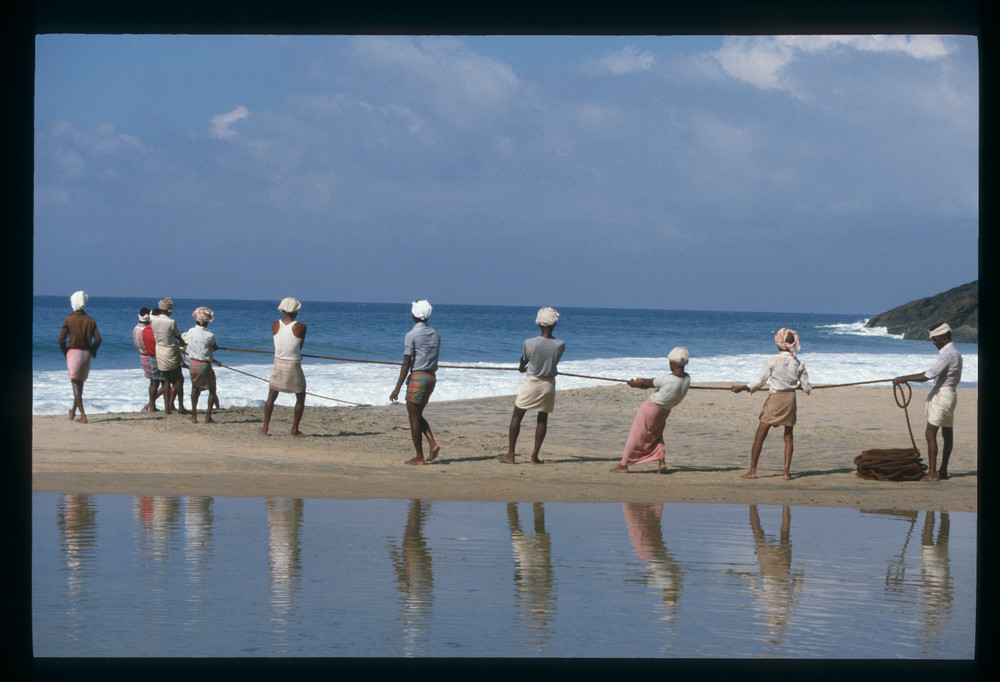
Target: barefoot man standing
x: 79, y: 341
x: 420, y: 362
x: 286, y: 374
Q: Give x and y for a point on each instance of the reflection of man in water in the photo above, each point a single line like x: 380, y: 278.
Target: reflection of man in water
x: 284, y: 519
x: 412, y: 562
x: 778, y: 584
x: 663, y: 572
x: 936, y: 574
x: 533, y: 574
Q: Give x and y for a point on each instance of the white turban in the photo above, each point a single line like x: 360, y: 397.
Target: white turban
x: 289, y: 305
x: 421, y: 309
x: 144, y: 318
x: 165, y: 304
x: 679, y: 356
x: 547, y: 317
x: 78, y: 300
x: 941, y: 331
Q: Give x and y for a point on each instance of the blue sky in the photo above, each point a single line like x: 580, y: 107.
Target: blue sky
x: 787, y: 174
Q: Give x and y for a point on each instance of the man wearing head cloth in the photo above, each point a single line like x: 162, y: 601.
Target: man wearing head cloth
x: 168, y: 354
x: 421, y: 347
x: 78, y: 341
x: 145, y: 343
x: 200, y: 347
x: 286, y: 373
x: 783, y: 374
x: 539, y: 360
x: 645, y: 439
x: 941, y: 400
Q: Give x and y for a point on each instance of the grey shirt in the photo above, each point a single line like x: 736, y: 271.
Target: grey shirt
x: 422, y: 344
x: 542, y: 355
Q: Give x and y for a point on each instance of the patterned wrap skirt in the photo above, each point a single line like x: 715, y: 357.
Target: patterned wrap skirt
x: 420, y: 387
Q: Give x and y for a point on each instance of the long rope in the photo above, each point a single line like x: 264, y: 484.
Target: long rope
x: 514, y: 369
x: 253, y: 376
x: 903, y: 399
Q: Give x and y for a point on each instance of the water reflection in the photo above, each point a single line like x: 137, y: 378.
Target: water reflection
x: 662, y: 572
x: 898, y: 575
x: 411, y: 560
x: 77, y: 520
x: 284, y: 521
x: 778, y: 584
x: 534, y: 585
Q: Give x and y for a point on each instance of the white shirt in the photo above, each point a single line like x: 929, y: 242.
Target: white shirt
x: 670, y: 390
x: 947, y: 371
x: 200, y: 344
x: 784, y: 372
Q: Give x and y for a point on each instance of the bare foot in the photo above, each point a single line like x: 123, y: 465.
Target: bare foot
x: 506, y: 459
x: 931, y: 477
x: 184, y: 410
x: 82, y: 419
x: 434, y: 453
x: 749, y: 475
x: 619, y: 469
x: 263, y: 431
x: 194, y: 418
x: 535, y: 460
x: 417, y: 460
x: 72, y: 415
x: 788, y: 477
x: 943, y: 475
x: 209, y: 420
x: 662, y: 469
x: 298, y: 434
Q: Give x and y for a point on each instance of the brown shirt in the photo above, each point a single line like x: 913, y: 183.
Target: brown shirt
x: 80, y: 328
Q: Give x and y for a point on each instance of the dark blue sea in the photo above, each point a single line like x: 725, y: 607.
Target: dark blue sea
x: 600, y: 342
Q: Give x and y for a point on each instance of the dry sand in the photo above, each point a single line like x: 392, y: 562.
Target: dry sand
x: 360, y: 452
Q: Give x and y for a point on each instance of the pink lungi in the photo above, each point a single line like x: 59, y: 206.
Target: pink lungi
x: 645, y: 440
x: 78, y: 364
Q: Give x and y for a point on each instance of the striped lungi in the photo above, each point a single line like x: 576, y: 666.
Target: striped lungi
x: 202, y: 374
x: 147, y: 367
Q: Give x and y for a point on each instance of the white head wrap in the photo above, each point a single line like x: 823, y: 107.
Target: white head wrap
x: 679, y: 356
x: 421, y: 309
x: 78, y: 300
x: 289, y: 305
x: 144, y: 318
x: 165, y: 304
x: 941, y: 331
x: 203, y: 314
x: 547, y: 317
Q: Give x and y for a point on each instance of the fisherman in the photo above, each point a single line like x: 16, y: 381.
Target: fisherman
x: 168, y: 354
x: 79, y: 341
x: 645, y: 439
x: 784, y: 373
x: 200, y: 346
x: 145, y: 343
x: 286, y: 373
x: 941, y: 400
x: 539, y: 360
x: 421, y: 346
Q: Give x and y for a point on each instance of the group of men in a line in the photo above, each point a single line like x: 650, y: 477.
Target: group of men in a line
x: 159, y: 344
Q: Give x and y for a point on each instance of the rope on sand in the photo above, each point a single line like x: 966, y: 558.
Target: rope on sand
x: 894, y: 464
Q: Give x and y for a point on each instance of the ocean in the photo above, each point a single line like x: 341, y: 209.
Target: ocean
x: 612, y: 343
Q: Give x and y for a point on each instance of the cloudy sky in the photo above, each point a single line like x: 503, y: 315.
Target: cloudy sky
x: 789, y: 174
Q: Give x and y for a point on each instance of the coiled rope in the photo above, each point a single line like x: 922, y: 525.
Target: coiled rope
x: 894, y: 464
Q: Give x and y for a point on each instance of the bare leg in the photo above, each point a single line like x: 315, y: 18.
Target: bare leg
x: 195, y: 394
x: 789, y: 447
x: 419, y: 428
x: 300, y: 408
x: 931, y: 435
x: 78, y: 402
x: 541, y: 428
x: 213, y: 400
x: 272, y: 395
x: 947, y: 438
x: 758, y: 444
x: 512, y: 433
x: 180, y: 392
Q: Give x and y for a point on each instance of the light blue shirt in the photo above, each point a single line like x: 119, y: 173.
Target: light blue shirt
x: 422, y: 344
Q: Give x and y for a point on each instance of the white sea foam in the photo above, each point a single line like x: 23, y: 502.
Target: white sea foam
x: 124, y: 390
x: 859, y: 329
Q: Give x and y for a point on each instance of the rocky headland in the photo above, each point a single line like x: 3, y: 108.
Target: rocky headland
x: 959, y: 307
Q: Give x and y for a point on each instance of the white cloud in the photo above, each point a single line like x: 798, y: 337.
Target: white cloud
x: 763, y: 61
x: 219, y: 126
x: 627, y: 60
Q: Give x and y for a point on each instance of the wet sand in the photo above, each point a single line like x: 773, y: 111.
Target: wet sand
x: 360, y: 452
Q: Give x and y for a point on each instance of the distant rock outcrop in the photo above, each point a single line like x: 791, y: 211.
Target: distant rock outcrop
x: 959, y: 307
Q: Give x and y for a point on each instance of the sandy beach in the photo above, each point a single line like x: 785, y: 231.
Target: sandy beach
x: 360, y: 452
